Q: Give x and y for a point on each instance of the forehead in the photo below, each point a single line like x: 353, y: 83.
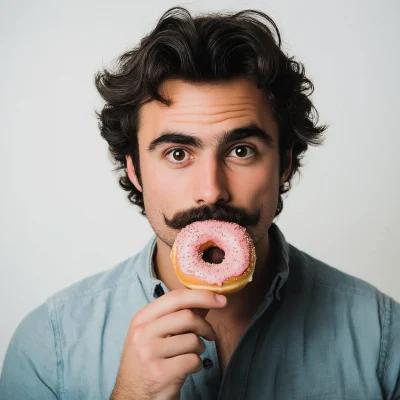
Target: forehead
x: 207, y: 109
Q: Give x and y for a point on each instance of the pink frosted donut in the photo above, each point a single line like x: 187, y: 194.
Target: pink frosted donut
x: 235, y: 270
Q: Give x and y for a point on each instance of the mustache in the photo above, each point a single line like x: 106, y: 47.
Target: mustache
x: 222, y: 213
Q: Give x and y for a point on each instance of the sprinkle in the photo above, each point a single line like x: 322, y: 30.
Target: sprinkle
x: 233, y: 239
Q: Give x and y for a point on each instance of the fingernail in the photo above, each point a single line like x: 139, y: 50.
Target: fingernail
x: 220, y: 298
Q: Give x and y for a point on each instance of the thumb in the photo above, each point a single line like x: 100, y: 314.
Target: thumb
x: 202, y: 312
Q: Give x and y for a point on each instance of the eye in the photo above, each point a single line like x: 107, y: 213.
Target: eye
x: 242, y: 152
x: 177, y: 156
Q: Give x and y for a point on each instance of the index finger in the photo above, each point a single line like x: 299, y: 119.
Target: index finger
x: 179, y: 299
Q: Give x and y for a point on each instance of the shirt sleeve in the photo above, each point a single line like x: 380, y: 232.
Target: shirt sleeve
x: 391, y: 371
x: 30, y: 367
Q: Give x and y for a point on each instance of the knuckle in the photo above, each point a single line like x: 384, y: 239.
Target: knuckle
x: 136, y: 319
x: 193, y: 339
x: 207, y: 295
x: 189, y: 315
x: 194, y: 361
x: 137, y: 334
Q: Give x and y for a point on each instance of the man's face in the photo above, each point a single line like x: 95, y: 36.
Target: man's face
x: 215, y: 145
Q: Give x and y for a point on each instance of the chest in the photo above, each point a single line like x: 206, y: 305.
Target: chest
x: 228, y: 337
x: 285, y: 365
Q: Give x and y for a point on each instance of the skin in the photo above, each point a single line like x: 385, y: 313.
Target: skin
x: 163, y: 344
x: 214, y: 173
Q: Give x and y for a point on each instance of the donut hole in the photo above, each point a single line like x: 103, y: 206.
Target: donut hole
x: 213, y: 255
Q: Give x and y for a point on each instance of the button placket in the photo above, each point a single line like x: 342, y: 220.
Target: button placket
x: 207, y: 363
x: 214, y: 355
x: 208, y: 380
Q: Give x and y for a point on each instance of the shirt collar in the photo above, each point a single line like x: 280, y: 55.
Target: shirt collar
x: 151, y: 284
x: 144, y: 266
x: 282, y: 261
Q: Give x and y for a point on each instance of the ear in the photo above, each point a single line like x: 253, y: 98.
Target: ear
x: 130, y: 169
x: 288, y: 169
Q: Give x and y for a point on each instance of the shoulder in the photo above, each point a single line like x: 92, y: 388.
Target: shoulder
x: 38, y: 329
x: 33, y: 330
x: 30, y: 359
x: 129, y: 272
x: 354, y: 309
x: 325, y: 275
x: 88, y: 307
x: 390, y: 368
x: 119, y: 275
x: 76, y: 319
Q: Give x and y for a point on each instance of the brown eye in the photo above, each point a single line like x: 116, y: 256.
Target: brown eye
x: 242, y: 152
x: 177, y: 156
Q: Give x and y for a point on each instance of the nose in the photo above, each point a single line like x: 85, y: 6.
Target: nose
x: 210, y: 182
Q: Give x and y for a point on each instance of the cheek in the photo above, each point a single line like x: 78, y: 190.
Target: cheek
x: 156, y: 189
x: 260, y: 183
x: 162, y: 189
x: 263, y: 190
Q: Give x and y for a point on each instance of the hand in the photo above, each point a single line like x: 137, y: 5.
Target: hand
x: 163, y: 345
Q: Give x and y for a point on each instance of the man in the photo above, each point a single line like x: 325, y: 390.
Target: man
x: 208, y: 119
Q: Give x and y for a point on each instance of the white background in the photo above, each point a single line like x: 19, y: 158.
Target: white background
x: 63, y: 216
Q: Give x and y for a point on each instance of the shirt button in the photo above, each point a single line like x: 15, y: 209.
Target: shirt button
x: 207, y: 363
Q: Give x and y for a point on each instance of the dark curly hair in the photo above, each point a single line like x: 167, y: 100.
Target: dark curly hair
x: 207, y: 48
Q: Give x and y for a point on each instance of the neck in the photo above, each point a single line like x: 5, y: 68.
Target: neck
x: 241, y: 305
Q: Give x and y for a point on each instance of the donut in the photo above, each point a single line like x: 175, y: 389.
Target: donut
x: 232, y: 274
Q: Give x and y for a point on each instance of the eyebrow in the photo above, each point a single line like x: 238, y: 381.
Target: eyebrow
x: 248, y: 131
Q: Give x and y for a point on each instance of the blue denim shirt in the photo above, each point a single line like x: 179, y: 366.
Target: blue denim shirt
x: 319, y: 334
